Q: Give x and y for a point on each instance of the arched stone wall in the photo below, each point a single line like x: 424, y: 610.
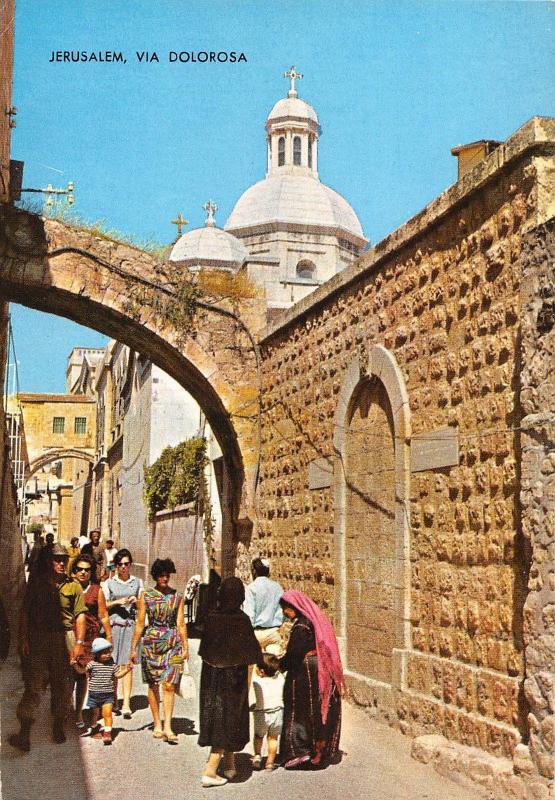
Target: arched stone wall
x: 372, y: 478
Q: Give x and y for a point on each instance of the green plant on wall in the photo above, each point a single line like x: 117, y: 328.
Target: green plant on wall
x: 176, y: 477
x: 35, y: 527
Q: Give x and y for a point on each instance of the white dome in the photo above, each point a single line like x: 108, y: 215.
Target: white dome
x: 295, y: 199
x: 209, y: 246
x: 292, y: 107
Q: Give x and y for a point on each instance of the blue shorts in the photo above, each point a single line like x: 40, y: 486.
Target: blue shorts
x: 99, y: 699
x: 268, y: 723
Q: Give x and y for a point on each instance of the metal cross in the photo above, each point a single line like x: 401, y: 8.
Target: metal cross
x: 210, y: 207
x: 293, y: 75
x: 180, y: 222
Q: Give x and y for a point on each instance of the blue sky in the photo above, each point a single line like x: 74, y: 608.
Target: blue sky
x: 395, y: 85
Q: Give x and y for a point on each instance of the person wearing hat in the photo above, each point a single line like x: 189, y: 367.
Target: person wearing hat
x: 102, y: 674
x: 53, y: 605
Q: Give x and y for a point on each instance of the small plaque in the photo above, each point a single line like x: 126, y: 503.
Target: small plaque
x: 320, y: 473
x: 435, y: 450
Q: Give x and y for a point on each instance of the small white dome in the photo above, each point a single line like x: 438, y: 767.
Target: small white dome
x: 211, y: 247
x: 292, y: 107
x: 295, y: 199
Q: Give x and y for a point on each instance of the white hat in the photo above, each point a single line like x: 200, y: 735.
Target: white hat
x: 99, y: 645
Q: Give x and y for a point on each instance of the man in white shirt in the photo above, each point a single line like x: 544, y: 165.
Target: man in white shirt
x: 262, y: 607
x: 83, y: 540
x: 109, y: 554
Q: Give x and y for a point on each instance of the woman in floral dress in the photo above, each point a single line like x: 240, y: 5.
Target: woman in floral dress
x: 165, y: 645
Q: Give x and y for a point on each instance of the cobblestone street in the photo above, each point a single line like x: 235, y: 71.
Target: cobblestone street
x: 376, y: 764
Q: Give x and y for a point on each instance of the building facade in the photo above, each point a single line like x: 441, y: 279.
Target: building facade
x: 59, y: 432
x: 140, y: 411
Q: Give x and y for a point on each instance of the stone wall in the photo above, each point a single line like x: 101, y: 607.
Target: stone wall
x: 7, y: 14
x: 391, y: 451
x: 538, y: 487
x: 12, y: 579
x: 177, y: 534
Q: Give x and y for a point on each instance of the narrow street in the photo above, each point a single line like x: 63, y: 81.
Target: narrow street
x: 376, y: 763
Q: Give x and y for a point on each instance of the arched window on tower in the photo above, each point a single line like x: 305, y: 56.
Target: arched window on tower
x: 306, y: 269
x: 281, y: 151
x: 310, y: 152
x: 297, y: 150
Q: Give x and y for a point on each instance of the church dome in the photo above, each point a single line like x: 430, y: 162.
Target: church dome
x: 294, y: 199
x: 209, y: 246
x: 293, y: 107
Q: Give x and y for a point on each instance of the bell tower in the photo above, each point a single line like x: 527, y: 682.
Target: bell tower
x: 292, y: 131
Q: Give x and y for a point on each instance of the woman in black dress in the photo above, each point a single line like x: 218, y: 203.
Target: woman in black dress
x: 228, y: 645
x: 313, y: 686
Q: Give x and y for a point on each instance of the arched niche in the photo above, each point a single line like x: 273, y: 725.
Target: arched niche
x: 372, y: 482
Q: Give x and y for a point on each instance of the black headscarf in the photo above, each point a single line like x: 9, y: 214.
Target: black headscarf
x: 231, y: 595
x: 228, y: 639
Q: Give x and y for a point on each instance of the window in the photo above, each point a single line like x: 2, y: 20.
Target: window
x: 58, y: 424
x: 306, y: 270
x: 281, y: 151
x: 297, y: 150
x: 310, y: 152
x: 80, y: 425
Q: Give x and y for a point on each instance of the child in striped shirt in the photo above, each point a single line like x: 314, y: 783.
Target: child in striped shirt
x: 103, y: 674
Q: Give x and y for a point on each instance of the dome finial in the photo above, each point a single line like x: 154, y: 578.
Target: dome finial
x: 210, y: 207
x: 293, y: 75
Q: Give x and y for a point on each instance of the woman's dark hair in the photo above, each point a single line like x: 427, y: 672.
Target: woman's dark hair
x: 121, y: 554
x: 269, y: 664
x: 162, y: 566
x: 87, y: 559
x: 73, y: 540
x: 231, y: 594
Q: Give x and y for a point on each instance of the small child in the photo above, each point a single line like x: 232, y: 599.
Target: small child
x: 103, y: 674
x: 267, y: 684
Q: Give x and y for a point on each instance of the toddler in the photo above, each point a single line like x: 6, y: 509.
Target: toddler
x: 267, y: 684
x: 102, y: 674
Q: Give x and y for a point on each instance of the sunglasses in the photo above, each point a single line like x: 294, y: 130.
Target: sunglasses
x: 60, y: 559
x: 124, y: 564
x: 82, y: 569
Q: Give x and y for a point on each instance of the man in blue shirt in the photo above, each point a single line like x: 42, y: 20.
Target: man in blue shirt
x: 262, y: 607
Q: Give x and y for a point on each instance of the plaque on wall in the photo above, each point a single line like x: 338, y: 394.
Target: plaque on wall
x: 320, y: 473
x: 435, y: 449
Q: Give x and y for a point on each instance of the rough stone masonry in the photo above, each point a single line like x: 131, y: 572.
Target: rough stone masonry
x: 407, y: 460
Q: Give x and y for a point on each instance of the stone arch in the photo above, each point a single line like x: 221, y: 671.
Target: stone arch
x: 57, y: 455
x: 76, y: 273
x: 379, y: 387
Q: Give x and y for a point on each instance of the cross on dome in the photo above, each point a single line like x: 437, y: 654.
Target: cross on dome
x: 180, y: 221
x: 293, y: 75
x: 210, y: 207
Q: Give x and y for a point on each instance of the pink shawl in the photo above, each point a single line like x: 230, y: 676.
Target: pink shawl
x: 330, y: 670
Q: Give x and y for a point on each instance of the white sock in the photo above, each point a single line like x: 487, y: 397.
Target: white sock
x: 106, y: 729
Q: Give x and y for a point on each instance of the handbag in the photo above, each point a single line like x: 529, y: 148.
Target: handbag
x: 186, y: 689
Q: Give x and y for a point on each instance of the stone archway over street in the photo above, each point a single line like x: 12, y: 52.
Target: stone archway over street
x: 57, y: 455
x: 125, y: 293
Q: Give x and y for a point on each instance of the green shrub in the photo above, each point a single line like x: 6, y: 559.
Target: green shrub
x: 176, y: 477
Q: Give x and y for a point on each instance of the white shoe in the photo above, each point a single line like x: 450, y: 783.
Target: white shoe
x: 207, y: 780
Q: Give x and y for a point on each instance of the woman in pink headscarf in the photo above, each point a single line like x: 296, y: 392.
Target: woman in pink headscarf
x: 313, y: 686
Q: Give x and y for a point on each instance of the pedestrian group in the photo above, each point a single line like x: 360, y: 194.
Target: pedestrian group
x: 86, y: 621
